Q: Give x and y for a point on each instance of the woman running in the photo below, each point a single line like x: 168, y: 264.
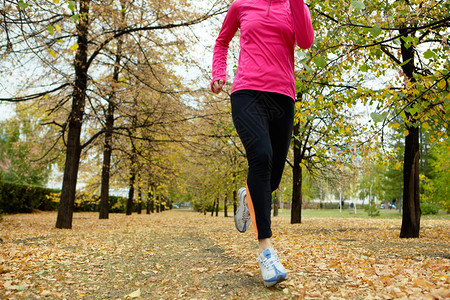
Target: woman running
x: 262, y: 105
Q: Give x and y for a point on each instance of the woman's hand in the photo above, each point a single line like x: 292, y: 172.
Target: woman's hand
x: 217, y: 86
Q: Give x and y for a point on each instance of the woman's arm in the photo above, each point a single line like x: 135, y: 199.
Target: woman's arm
x: 304, y: 32
x: 219, y: 65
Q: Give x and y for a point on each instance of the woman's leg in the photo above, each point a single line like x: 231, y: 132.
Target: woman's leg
x: 251, y: 123
x: 264, y: 124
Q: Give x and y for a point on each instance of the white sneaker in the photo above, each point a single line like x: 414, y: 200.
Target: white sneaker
x: 242, y: 217
x: 271, y: 268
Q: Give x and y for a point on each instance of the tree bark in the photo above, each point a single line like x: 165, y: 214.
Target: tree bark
x: 139, y: 202
x: 162, y: 207
x: 225, y: 206
x: 73, y: 150
x: 213, y: 208
x: 275, y: 204
x: 158, y: 204
x: 109, y: 125
x: 149, y: 197
x: 131, y: 190
x: 411, y: 199
x: 296, y: 209
x: 152, y: 199
x: 217, y: 206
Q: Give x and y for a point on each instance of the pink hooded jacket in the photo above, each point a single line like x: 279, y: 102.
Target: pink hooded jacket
x: 269, y: 31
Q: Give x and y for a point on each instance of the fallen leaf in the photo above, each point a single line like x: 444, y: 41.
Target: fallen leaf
x: 134, y: 295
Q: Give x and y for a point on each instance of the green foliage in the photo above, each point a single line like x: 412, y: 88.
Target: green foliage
x: 202, y: 206
x: 86, y: 202
x: 17, y: 151
x: 437, y: 186
x: 429, y: 208
x: 372, y: 209
x: 16, y: 198
x: 371, y: 180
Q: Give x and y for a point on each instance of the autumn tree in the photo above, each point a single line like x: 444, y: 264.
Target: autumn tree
x: 396, y: 64
x: 45, y: 32
x: 395, y: 38
x: 215, y: 154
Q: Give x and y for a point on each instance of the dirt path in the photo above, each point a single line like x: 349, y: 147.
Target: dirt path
x: 167, y: 255
x: 182, y: 254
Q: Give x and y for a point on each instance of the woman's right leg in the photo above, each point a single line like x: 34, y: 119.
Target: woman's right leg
x: 251, y: 122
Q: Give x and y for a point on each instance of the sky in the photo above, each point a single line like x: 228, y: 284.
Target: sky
x: 6, y: 111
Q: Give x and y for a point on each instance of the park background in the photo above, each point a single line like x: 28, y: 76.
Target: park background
x: 106, y: 107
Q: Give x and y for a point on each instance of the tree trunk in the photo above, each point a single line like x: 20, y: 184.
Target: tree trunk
x: 149, y: 202
x: 151, y: 199
x: 73, y: 151
x: 213, y: 208
x: 162, y: 207
x: 296, y: 210
x: 132, y: 183
x: 109, y: 125
x: 139, y: 202
x: 225, y: 206
x: 152, y: 204
x: 275, y: 204
x: 104, y: 192
x: 217, y: 206
x: 158, y: 203
x: 411, y: 200
x: 131, y: 192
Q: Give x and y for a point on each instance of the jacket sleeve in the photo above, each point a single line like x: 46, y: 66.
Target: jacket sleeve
x: 304, y: 32
x: 229, y: 27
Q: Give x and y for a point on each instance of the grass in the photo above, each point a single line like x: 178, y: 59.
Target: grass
x: 360, y: 213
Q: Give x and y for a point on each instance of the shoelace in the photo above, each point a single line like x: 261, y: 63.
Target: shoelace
x: 270, y: 261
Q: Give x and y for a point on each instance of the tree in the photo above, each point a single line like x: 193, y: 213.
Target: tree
x: 381, y: 37
x: 92, y: 36
x: 109, y: 124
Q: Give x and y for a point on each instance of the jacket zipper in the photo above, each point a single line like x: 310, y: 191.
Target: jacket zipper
x: 267, y: 12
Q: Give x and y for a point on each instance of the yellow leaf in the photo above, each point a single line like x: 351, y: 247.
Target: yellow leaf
x: 441, y: 84
x: 52, y: 53
x: 406, y: 132
x: 56, y: 1
x: 398, y: 165
x: 74, y: 47
x: 134, y: 295
x: 58, y: 28
x: 395, y: 125
x: 425, y: 126
x: 421, y: 282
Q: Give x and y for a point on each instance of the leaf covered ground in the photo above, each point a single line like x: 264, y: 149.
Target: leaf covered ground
x: 184, y: 254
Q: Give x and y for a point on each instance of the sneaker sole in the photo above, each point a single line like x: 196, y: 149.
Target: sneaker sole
x: 280, y: 278
x: 244, y: 229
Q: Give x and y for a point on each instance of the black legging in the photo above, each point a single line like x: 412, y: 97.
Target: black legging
x: 264, y: 122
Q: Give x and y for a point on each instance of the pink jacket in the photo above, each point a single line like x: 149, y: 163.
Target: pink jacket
x: 269, y: 31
